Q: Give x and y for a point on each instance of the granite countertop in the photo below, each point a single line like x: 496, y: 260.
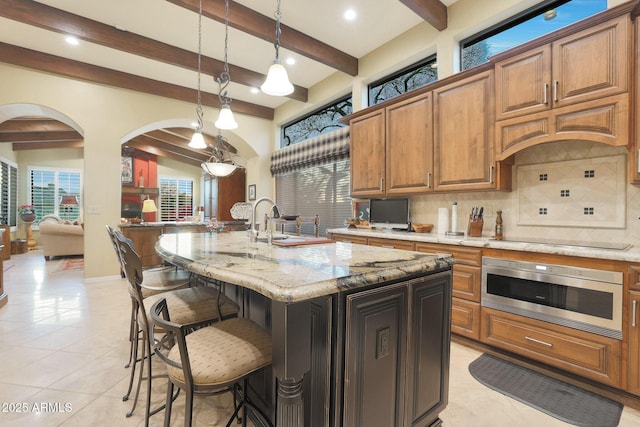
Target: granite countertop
x: 581, y: 249
x: 160, y: 224
x: 292, y: 274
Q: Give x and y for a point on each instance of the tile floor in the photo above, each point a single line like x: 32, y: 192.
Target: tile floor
x: 63, y: 344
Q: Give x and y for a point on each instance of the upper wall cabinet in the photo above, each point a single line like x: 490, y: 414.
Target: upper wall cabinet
x: 464, y: 156
x: 392, y: 149
x: 587, y: 65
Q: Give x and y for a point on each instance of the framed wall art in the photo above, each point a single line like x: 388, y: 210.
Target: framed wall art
x: 252, y: 192
x: 126, y: 170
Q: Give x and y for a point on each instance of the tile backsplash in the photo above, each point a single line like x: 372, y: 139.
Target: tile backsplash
x: 621, y: 200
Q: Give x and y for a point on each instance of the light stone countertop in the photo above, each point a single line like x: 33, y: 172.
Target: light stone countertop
x: 631, y: 254
x: 297, y: 273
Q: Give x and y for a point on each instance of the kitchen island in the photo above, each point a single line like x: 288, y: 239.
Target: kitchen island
x: 361, y: 334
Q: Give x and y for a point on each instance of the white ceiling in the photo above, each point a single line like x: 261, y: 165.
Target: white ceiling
x: 377, y: 22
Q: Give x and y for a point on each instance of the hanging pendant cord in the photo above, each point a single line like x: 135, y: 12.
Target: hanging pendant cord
x: 199, y: 106
x: 276, y: 44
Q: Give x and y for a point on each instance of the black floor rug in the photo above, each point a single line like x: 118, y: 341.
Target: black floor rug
x: 553, y: 397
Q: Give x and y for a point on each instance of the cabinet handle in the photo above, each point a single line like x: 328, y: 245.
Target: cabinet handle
x: 429, y: 179
x: 490, y: 174
x: 555, y: 91
x: 634, y: 303
x: 381, y: 184
x: 546, y: 90
x: 548, y: 344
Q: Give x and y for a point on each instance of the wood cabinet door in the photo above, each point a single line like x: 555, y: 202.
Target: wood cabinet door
x: 591, y: 64
x: 523, y: 83
x: 409, y: 153
x: 463, y: 134
x: 633, y: 349
x: 368, y: 154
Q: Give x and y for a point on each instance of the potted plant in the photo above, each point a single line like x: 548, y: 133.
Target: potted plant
x: 27, y: 213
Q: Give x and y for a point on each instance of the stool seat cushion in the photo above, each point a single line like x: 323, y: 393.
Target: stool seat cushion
x: 196, y: 304
x: 224, y: 352
x: 163, y: 279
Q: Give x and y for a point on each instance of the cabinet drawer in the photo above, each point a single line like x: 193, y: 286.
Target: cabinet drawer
x: 361, y: 240
x: 465, y: 318
x: 468, y: 256
x: 589, y: 355
x: 466, y: 282
x: 391, y: 243
x: 634, y: 276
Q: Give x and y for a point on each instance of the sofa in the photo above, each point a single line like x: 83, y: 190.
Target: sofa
x: 60, y: 237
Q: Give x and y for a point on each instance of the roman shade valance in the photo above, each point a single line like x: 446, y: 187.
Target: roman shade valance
x: 326, y: 148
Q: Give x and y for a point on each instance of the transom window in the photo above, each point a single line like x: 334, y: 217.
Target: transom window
x: 48, y: 185
x: 176, y: 198
x: 541, y: 19
x: 319, y: 122
x: 413, y: 77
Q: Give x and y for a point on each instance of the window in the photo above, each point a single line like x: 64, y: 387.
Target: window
x: 320, y: 190
x: 176, y: 198
x: 9, y: 192
x: 413, y: 77
x: 48, y: 185
x: 319, y: 122
x: 541, y: 19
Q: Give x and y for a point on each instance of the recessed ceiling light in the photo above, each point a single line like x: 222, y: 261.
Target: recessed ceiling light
x: 350, y: 15
x: 291, y: 61
x: 72, y: 40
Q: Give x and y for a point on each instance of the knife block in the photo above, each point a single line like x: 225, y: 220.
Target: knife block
x: 474, y: 228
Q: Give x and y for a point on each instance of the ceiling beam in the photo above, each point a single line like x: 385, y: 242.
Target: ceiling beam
x: 42, y: 136
x: 23, y: 124
x: 15, y: 55
x: 432, y: 11
x: 21, y: 146
x: 153, y: 149
x: 60, y: 21
x: 258, y: 25
x: 169, y: 148
x: 208, y: 139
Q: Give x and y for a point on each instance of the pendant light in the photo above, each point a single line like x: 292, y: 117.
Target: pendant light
x: 225, y: 118
x: 197, y: 140
x: 277, y: 82
x: 220, y: 163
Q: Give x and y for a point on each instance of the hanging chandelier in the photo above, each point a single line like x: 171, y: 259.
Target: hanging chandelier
x: 197, y: 140
x: 225, y: 118
x: 220, y: 163
x: 277, y: 82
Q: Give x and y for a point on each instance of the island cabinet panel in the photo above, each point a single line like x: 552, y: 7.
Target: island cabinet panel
x: 589, y: 355
x: 144, y: 240
x: 464, y: 157
x: 564, y: 72
x: 397, y: 353
x: 409, y: 157
x: 367, y: 154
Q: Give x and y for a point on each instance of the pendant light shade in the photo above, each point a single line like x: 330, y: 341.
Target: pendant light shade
x: 220, y: 163
x: 218, y: 169
x: 226, y: 120
x: 277, y: 82
x: 197, y: 141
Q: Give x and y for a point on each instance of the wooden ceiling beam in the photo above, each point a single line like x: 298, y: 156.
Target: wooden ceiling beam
x: 432, y: 11
x: 21, y: 146
x: 136, y: 143
x: 37, y: 136
x: 263, y: 27
x: 22, y: 124
x: 208, y: 139
x: 60, y: 21
x: 170, y: 148
x: 15, y: 55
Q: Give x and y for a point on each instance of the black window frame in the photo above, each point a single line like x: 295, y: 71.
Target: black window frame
x: 429, y: 59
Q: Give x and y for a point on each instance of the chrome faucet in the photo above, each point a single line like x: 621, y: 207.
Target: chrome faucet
x: 274, y: 208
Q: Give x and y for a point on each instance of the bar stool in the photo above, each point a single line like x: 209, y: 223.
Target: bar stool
x: 192, y: 306
x: 210, y: 360
x: 156, y: 280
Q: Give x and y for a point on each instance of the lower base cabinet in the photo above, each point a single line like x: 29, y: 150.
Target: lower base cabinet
x: 397, y: 343
x: 633, y: 350
x: 588, y: 355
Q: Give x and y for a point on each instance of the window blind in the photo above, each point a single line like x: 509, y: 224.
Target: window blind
x: 176, y: 198
x: 8, y: 194
x: 46, y: 188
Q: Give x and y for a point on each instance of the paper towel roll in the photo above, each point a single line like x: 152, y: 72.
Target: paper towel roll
x: 454, y: 217
x: 443, y: 220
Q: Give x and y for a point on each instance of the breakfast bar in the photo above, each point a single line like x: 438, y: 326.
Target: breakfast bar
x: 361, y: 334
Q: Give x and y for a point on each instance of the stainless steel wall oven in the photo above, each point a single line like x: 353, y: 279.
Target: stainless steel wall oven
x: 580, y: 298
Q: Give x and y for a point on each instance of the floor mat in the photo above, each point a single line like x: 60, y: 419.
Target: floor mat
x: 70, y: 264
x: 553, y: 397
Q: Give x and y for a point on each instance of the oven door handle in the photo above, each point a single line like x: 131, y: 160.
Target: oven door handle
x: 548, y: 344
x: 634, y: 303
